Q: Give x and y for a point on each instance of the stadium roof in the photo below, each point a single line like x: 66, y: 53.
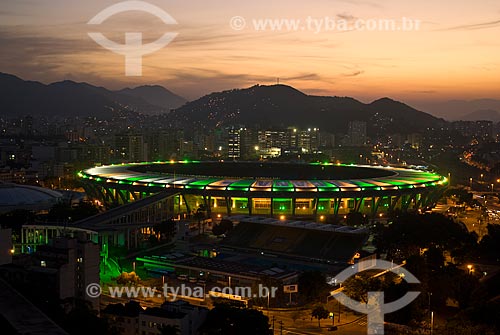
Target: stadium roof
x: 297, y: 224
x: 296, y: 239
x: 13, y: 196
x: 264, y: 177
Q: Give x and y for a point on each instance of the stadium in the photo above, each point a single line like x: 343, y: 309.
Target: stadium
x: 281, y: 190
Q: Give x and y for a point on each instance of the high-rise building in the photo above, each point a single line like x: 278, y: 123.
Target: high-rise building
x: 27, y: 125
x: 130, y: 148
x: 357, y: 133
x: 234, y: 143
x: 308, y: 141
x: 249, y: 143
x: 59, y: 270
x: 77, y: 265
x: 273, y: 139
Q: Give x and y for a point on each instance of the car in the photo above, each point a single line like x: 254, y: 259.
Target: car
x: 332, y: 328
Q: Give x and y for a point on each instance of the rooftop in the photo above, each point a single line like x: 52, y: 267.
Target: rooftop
x: 14, y: 196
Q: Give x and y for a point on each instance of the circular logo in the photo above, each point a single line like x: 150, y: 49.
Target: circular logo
x: 237, y: 23
x: 93, y: 290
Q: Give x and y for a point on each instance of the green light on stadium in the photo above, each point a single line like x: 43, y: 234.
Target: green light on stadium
x: 193, y: 179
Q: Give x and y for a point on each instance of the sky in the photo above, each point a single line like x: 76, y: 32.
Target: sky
x: 454, y: 54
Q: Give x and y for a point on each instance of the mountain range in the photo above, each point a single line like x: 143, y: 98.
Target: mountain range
x: 283, y: 106
x: 68, y: 98
x: 467, y: 110
x: 261, y: 106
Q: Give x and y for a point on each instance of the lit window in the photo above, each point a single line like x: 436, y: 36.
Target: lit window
x: 43, y: 264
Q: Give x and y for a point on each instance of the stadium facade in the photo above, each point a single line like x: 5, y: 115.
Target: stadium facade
x: 281, y: 190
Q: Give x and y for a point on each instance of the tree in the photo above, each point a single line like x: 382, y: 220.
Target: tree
x: 200, y: 215
x: 83, y: 320
x: 313, y: 286
x: 320, y: 312
x: 217, y: 230
x: 357, y: 287
x: 489, y: 245
x: 227, y: 225
x: 411, y: 232
x: 356, y: 219
x: 128, y: 278
x: 231, y: 320
x: 64, y: 212
x: 463, y: 196
x: 166, y: 229
x: 169, y: 329
x: 222, y: 228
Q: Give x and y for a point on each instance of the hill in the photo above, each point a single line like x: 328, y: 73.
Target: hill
x: 156, y: 96
x: 463, y: 109
x: 282, y: 106
x: 71, y: 99
x: 485, y: 114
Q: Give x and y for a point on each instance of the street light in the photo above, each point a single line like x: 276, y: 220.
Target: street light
x: 432, y: 322
x: 268, y: 301
x: 470, y: 268
x: 470, y: 181
x: 429, y: 295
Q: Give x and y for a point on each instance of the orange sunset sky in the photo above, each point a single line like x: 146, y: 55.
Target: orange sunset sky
x: 454, y: 55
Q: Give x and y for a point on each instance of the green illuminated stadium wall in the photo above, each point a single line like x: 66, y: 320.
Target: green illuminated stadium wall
x: 409, y: 190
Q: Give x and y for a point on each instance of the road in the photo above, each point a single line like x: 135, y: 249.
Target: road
x: 300, y: 322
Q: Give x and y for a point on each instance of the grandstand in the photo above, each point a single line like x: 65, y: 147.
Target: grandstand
x: 295, y: 239
x: 325, y: 192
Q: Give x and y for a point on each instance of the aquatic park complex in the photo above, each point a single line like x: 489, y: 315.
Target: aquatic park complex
x: 322, y: 192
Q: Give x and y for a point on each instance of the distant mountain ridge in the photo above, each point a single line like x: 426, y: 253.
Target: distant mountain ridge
x: 259, y: 106
x: 71, y: 99
x: 467, y: 110
x: 283, y: 106
x: 480, y: 115
x: 155, y: 95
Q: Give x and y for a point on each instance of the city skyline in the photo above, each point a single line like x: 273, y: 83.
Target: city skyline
x: 451, y: 56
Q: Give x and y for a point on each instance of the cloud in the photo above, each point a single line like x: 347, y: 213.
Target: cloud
x: 353, y: 74
x: 347, y: 17
x: 31, y: 53
x: 307, y: 76
x: 475, y: 26
x: 363, y: 3
x: 424, y: 92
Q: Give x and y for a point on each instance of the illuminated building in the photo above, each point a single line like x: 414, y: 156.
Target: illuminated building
x: 269, y: 189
